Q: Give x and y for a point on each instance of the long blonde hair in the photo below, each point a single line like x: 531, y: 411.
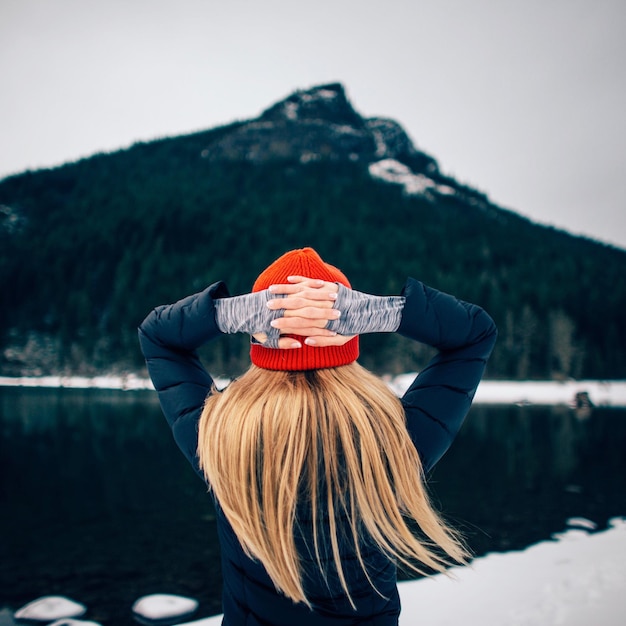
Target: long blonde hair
x: 271, y: 436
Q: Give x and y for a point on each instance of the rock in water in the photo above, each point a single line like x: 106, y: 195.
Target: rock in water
x: 581, y: 522
x: 163, y: 609
x: 50, y: 608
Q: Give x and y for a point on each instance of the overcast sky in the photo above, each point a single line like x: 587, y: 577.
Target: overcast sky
x: 523, y: 99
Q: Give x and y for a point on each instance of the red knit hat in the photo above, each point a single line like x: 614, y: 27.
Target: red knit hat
x: 303, y: 262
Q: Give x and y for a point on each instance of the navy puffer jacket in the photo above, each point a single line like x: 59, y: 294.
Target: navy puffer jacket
x: 436, y: 404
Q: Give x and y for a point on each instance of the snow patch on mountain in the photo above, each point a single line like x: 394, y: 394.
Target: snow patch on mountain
x: 392, y: 171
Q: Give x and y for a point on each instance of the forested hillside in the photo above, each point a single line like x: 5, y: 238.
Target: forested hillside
x: 88, y: 248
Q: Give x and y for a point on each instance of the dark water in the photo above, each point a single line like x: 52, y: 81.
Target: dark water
x: 96, y: 502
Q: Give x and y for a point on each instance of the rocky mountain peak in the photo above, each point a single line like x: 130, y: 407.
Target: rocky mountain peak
x: 324, y: 103
x: 318, y: 124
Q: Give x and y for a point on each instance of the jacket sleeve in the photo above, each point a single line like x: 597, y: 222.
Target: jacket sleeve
x: 169, y: 337
x: 439, y: 398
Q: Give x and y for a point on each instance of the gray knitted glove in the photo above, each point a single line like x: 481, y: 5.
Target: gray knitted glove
x: 249, y: 314
x: 362, y: 313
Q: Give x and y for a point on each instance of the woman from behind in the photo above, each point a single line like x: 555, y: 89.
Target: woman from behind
x: 316, y: 468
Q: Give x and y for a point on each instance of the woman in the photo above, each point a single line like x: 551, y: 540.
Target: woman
x: 315, y: 466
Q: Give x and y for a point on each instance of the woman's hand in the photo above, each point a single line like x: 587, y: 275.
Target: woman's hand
x: 308, y: 307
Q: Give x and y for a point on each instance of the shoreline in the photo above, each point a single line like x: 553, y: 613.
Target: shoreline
x: 602, y: 393
x: 574, y: 578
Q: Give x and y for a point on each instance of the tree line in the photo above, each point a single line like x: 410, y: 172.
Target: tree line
x: 88, y: 248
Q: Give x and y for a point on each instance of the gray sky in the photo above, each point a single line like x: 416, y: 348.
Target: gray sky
x: 523, y: 99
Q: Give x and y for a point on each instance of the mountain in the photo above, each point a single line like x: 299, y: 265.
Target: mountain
x: 321, y: 125
x: 88, y: 248
x: 314, y: 125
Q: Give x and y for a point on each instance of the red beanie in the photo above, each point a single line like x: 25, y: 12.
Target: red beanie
x: 303, y: 262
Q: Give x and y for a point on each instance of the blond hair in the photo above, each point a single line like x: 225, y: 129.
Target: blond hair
x: 339, y: 432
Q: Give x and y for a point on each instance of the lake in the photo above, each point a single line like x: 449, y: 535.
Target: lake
x: 96, y: 502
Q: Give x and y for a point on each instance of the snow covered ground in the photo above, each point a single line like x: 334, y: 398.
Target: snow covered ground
x: 578, y: 579
x: 128, y: 382
x: 601, y: 393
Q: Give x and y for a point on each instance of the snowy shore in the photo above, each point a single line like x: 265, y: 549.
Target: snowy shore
x: 600, y: 392
x: 548, y: 392
x: 577, y: 579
